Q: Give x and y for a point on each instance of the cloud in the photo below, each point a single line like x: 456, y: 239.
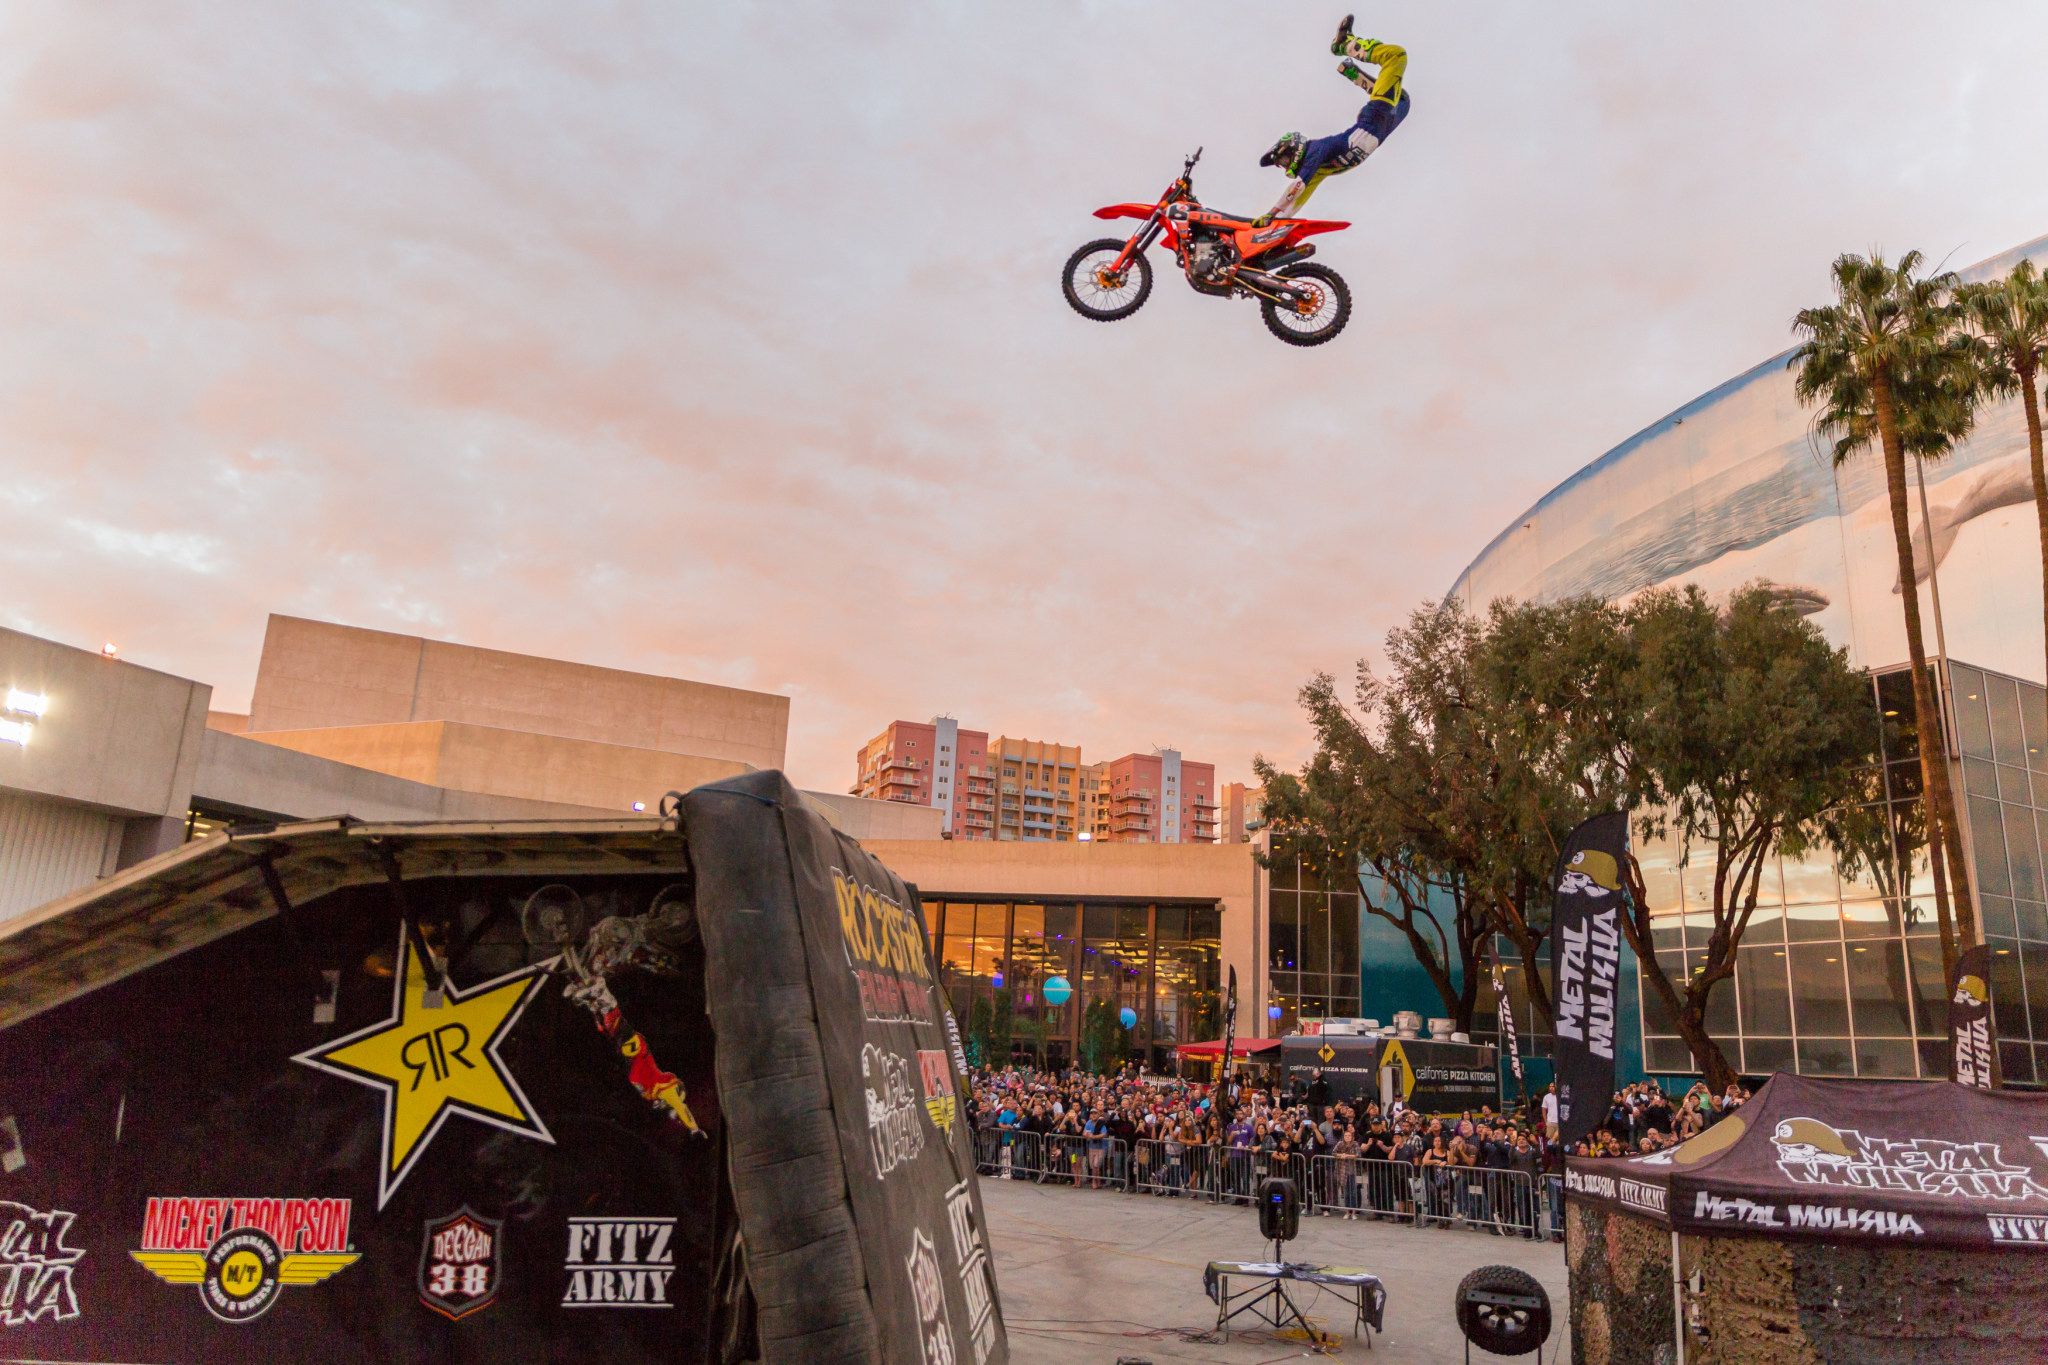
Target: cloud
x: 725, y: 340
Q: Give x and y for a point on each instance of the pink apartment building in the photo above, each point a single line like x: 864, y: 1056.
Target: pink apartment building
x: 936, y: 764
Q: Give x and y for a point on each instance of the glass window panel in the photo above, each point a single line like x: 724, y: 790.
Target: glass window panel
x: 1864, y: 883
x: 1669, y: 1055
x: 1659, y: 861
x: 1826, y: 1057
x: 1933, y: 1058
x: 1098, y: 922
x: 1766, y: 924
x: 1720, y: 1015
x: 1980, y: 777
x: 1820, y: 1000
x: 1878, y: 988
x: 2034, y: 960
x: 1205, y: 922
x: 1344, y: 938
x: 2008, y: 743
x: 1987, y: 832
x: 2008, y: 996
x: 1760, y: 983
x: 1286, y: 874
x: 1657, y: 1019
x: 1284, y: 933
x: 991, y: 944
x: 1998, y: 916
x: 1921, y: 917
x: 1973, y: 716
x: 1667, y: 932
x: 1895, y: 702
x: 1173, y: 923
x: 2034, y: 709
x: 2032, y: 917
x: 1884, y: 1057
x: 1762, y: 1056
x: 2013, y: 786
x: 1134, y: 925
x: 1930, y: 991
x: 2016, y: 1060
x: 1813, y: 923
x: 1872, y: 919
x: 2041, y: 1059
x: 1315, y: 935
x: 1809, y: 880
x: 2023, y: 853
x: 1696, y: 879
x: 1699, y: 927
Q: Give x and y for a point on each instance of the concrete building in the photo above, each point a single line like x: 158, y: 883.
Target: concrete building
x: 1158, y: 798
x: 1156, y: 929
x: 501, y: 724
x: 1037, y: 789
x: 1239, y: 810
x: 938, y: 765
x: 105, y: 763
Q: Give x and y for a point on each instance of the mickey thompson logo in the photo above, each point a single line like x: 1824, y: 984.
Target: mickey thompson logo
x: 242, y: 1252
x: 1814, y: 1153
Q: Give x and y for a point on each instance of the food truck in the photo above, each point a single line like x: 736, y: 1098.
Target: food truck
x: 1430, y: 1076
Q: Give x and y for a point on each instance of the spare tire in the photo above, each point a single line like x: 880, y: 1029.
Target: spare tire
x: 1511, y: 1328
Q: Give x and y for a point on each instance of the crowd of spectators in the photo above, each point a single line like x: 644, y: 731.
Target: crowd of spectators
x: 1184, y: 1137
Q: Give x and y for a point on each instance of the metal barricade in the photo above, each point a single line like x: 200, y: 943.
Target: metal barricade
x: 1362, y: 1188
x: 1086, y: 1162
x: 1233, y: 1173
x: 1008, y: 1154
x: 1552, y: 1210
x: 1164, y: 1166
x: 1480, y: 1197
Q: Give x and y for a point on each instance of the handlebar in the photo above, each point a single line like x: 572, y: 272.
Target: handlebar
x: 1189, y: 164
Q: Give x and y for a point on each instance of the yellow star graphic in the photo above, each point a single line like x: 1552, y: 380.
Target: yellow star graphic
x: 432, y: 1061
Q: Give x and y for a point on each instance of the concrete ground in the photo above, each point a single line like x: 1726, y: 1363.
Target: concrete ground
x: 1085, y: 1275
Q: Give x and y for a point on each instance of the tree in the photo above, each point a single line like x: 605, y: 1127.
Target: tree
x: 1419, y: 781
x: 2010, y: 317
x: 1886, y: 363
x: 1748, y: 737
x: 1104, y: 1039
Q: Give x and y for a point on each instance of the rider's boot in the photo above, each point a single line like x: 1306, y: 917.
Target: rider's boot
x: 1343, y: 37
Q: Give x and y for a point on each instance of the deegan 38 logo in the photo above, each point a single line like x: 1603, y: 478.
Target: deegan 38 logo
x: 242, y: 1252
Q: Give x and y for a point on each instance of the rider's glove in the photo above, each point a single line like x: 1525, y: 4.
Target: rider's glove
x: 1356, y: 74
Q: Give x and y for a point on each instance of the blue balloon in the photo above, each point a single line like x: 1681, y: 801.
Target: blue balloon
x: 1129, y: 1016
x: 1057, y: 990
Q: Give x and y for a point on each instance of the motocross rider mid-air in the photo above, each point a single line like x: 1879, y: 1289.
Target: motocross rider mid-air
x: 1310, y: 161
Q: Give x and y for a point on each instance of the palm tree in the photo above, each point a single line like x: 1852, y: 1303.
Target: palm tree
x: 1887, y: 361
x: 2011, y: 318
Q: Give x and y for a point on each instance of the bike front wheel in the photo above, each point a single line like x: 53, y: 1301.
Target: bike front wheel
x: 1098, y: 291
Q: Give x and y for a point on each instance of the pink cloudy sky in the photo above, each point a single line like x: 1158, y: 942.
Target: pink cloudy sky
x: 724, y: 340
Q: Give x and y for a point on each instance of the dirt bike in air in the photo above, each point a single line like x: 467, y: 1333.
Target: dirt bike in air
x: 1223, y: 255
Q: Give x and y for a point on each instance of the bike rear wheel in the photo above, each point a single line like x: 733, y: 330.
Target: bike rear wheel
x: 1321, y: 314
x: 1101, y: 294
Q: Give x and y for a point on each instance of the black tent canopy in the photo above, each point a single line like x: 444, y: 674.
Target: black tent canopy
x: 1848, y: 1161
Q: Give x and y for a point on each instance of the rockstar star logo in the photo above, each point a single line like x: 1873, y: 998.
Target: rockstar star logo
x: 432, y: 1061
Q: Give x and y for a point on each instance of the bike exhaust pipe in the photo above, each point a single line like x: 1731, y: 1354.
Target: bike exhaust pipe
x: 1300, y: 253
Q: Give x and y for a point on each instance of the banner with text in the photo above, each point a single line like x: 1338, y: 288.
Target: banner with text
x: 1969, y: 1017
x: 1586, y: 957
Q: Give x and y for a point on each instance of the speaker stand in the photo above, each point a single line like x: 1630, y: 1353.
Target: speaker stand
x: 1270, y: 1304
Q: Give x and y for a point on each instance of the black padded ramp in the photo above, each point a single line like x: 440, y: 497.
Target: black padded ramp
x: 851, y: 1164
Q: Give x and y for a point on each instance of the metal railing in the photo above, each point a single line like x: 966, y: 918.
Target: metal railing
x: 1086, y: 1161
x: 1341, y: 1185
x: 1479, y: 1197
x: 1511, y: 1202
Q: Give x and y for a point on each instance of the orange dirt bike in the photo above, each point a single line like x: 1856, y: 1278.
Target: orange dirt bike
x: 1221, y: 254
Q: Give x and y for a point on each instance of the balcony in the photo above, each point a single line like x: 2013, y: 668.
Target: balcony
x: 899, y: 780
x: 1043, y: 793
x: 1138, y: 798
x: 900, y: 762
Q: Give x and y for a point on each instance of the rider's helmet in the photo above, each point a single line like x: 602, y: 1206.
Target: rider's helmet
x: 1286, y: 153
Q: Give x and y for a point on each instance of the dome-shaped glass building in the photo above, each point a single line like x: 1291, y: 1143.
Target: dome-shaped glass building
x: 1843, y: 976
